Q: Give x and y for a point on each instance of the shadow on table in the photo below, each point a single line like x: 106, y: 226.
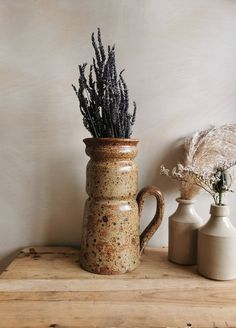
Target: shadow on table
x: 7, y: 260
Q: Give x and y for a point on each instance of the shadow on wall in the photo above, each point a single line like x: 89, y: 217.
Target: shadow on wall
x: 66, y: 197
x: 173, y: 155
x: 56, y: 205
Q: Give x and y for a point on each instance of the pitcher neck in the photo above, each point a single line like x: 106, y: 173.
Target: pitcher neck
x: 111, y: 148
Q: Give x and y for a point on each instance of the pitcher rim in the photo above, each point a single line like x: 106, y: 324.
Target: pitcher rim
x: 110, y: 140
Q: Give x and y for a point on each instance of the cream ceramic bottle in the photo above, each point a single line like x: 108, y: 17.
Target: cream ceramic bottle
x: 183, y: 225
x: 217, y: 245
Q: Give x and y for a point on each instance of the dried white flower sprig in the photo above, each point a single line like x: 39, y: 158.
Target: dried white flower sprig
x: 216, y: 181
x: 203, y: 150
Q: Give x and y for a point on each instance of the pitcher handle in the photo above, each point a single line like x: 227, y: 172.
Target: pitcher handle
x: 156, y: 221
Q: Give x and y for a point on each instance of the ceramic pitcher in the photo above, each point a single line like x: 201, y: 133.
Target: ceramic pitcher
x: 111, y: 241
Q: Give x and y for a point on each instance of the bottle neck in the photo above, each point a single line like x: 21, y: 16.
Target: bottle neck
x: 186, y: 206
x: 219, y: 211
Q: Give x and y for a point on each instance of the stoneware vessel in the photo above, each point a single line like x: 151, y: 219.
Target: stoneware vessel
x: 217, y: 245
x: 183, y: 225
x: 111, y: 241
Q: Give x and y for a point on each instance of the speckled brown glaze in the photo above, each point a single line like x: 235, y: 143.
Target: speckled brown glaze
x: 110, y: 241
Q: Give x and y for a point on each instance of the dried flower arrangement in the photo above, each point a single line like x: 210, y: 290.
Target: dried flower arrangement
x: 103, y: 96
x: 209, y: 155
x: 216, y: 181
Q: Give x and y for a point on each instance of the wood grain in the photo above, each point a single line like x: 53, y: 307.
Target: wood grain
x: 45, y: 287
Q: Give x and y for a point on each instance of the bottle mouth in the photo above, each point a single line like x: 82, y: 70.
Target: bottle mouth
x: 219, y: 210
x: 185, y: 201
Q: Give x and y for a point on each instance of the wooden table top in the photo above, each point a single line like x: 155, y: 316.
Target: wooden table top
x: 45, y: 287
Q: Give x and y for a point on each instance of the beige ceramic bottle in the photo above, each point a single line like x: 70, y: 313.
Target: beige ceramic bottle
x: 183, y: 225
x: 217, y: 245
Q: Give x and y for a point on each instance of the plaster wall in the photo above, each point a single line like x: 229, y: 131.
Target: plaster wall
x: 180, y: 61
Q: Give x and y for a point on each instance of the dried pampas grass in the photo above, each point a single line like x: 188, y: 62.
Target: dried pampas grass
x: 206, y: 149
x: 188, y: 190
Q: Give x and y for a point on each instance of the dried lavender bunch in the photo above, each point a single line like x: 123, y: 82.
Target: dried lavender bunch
x: 103, y: 95
x: 216, y: 181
